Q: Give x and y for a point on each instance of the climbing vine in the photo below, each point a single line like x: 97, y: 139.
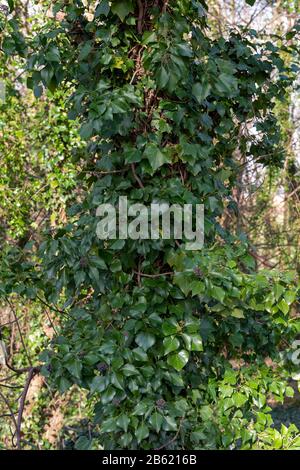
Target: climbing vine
x: 172, y: 343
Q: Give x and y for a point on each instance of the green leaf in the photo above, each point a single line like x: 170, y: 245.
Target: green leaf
x: 169, y: 424
x: 290, y: 297
x: 170, y: 327
x: 116, y: 266
x: 75, y: 366
x: 142, y: 432
x: 218, y: 293
x: 98, y: 262
x: 201, y: 91
x: 239, y: 399
x: 117, y: 245
x: 162, y: 77
x: 237, y: 313
x: 145, y: 340
x: 11, y: 5
x: 126, y: 439
x: 99, y: 384
x: 86, y: 130
x: 83, y: 443
x: 123, y: 422
x: 63, y: 384
x: 284, y: 307
x: 155, y: 156
x: 38, y: 91
x: 178, y: 360
x: 184, y: 282
x: 193, y: 342
x: 226, y: 84
x: 85, y: 50
x: 129, y: 370
x: 148, y: 37
x: 53, y: 55
x: 250, y: 2
x: 122, y: 8
x: 102, y: 9
x: 140, y: 355
x: 170, y: 344
x: 108, y: 395
x: 109, y: 425
x: 156, y: 420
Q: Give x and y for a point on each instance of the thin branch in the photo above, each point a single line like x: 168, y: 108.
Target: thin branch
x: 138, y: 180
x: 20, y: 331
x: 140, y: 17
x: 174, y: 438
x: 153, y: 275
x: 32, y: 372
x: 51, y: 307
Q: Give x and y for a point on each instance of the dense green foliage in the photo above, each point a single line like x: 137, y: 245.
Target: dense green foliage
x: 171, y: 344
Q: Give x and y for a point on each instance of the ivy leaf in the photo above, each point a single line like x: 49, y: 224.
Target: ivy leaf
x: 11, y: 5
x: 239, y: 399
x: 155, y: 156
x: 156, y: 421
x: 142, y: 432
x: 86, y: 130
x: 123, y: 422
x: 108, y: 395
x: 162, y: 77
x: 102, y: 9
x: 145, y: 340
x: 218, y: 293
x: 85, y: 50
x: 170, y: 344
x: 38, y: 91
x: 226, y: 84
x: 283, y: 306
x: 53, y: 55
x: 201, y: 91
x: 122, y: 8
x: 193, y: 342
x: 99, y: 384
x: 289, y: 297
x: 75, y: 366
x: 179, y: 360
x: 169, y: 327
x: 237, y: 313
x: 250, y: 2
x: 169, y: 424
x: 83, y: 443
x: 109, y: 425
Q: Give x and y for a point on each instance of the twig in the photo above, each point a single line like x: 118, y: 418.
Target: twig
x: 261, y: 259
x: 31, y: 374
x: 20, y: 331
x: 164, y: 9
x: 136, y: 176
x: 174, y: 438
x: 153, y: 275
x: 140, y: 17
x: 52, y: 308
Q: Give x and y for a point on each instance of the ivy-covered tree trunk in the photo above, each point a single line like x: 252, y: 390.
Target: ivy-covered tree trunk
x: 171, y: 341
